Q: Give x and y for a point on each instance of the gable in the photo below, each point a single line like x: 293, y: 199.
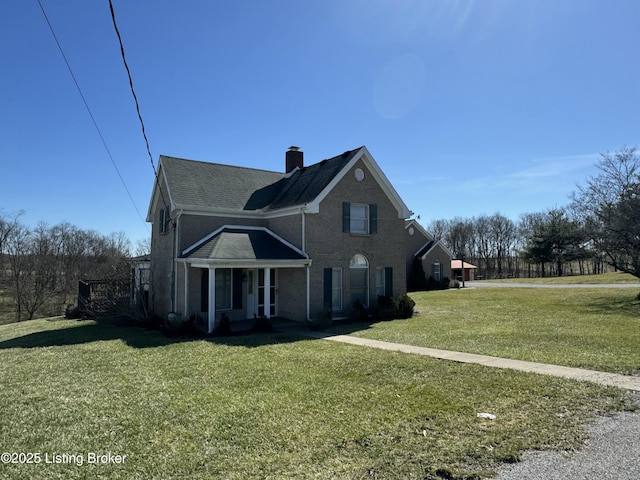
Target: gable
x: 363, y: 155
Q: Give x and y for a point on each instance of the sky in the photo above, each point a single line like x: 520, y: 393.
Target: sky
x: 469, y: 107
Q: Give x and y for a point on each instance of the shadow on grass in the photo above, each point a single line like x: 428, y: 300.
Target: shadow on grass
x: 626, y: 305
x: 78, y: 333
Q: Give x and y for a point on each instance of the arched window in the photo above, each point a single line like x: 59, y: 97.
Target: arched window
x: 359, y: 279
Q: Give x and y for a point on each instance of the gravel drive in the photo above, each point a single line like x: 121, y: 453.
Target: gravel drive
x: 612, y: 452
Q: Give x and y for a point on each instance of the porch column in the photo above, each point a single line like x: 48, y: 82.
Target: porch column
x: 186, y: 290
x: 212, y: 299
x: 267, y: 292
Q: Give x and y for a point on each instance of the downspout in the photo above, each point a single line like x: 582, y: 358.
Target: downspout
x: 174, y: 263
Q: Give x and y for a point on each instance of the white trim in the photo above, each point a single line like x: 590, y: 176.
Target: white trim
x: 414, y: 223
x: 205, y: 239
x: 239, y: 213
x: 435, y: 244
x: 211, y: 310
x: 366, y: 157
x: 158, y: 181
x: 200, y: 263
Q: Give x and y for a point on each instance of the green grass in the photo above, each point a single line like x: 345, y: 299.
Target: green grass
x: 269, y: 406
x: 578, y: 327
x: 603, y: 278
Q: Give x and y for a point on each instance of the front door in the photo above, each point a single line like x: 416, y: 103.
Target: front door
x: 273, y: 290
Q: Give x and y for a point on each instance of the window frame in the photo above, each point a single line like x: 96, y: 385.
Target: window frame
x: 222, y: 294
x: 364, y: 220
x: 437, y: 271
x: 336, y: 289
x: 353, y: 266
x: 380, y: 281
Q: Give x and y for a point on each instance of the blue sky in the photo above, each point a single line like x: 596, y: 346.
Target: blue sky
x: 469, y: 107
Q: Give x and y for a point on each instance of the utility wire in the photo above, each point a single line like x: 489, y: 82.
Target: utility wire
x: 86, y: 104
x: 135, y: 99
x: 133, y: 92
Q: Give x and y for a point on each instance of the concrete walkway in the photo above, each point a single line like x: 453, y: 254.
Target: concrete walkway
x: 602, y: 378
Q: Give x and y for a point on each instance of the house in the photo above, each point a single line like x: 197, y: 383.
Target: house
x: 246, y: 243
x: 433, y: 255
x: 469, y: 270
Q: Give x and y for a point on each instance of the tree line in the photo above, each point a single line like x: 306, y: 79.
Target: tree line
x: 598, y: 230
x: 40, y: 267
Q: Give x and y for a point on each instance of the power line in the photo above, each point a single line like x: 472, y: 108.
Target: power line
x: 86, y: 104
x: 135, y: 99
x: 133, y: 92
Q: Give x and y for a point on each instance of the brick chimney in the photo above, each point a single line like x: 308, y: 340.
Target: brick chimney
x: 293, y: 159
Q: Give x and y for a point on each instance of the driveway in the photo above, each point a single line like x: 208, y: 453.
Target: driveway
x: 611, y: 452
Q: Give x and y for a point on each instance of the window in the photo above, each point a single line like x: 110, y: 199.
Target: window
x: 436, y: 271
x: 164, y: 220
x: 336, y: 289
x: 359, y: 218
x: 380, y: 281
x: 359, y: 215
x: 223, y: 289
x: 384, y: 281
x: 359, y: 279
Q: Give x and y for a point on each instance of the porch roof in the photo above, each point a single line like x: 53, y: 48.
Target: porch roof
x: 231, y: 244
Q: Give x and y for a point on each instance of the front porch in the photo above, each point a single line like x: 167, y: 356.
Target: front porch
x: 242, y: 273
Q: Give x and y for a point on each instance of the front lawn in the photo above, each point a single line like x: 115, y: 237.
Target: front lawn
x: 593, y: 328
x: 268, y: 406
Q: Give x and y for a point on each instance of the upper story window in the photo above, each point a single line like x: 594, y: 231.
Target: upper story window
x: 163, y: 220
x: 359, y: 218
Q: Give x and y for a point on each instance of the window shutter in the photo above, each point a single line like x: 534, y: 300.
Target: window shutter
x: 328, y: 273
x: 388, y: 281
x: 373, y: 218
x: 237, y: 288
x: 346, y: 217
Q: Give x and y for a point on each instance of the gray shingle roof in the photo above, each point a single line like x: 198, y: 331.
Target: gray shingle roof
x: 212, y: 185
x: 202, y: 184
x: 426, y: 248
x: 243, y: 244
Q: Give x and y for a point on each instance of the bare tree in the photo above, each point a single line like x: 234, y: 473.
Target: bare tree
x: 503, y: 235
x: 610, y: 204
